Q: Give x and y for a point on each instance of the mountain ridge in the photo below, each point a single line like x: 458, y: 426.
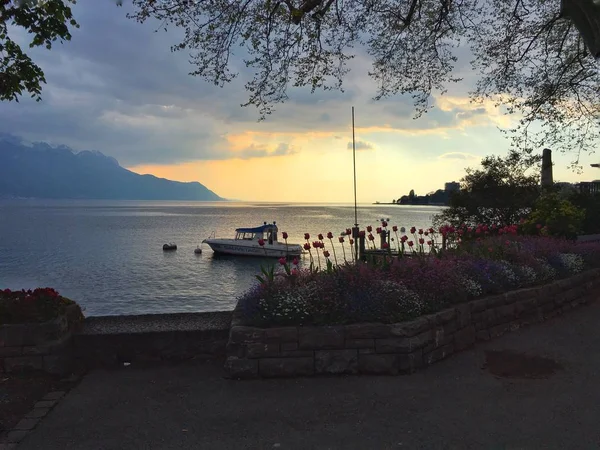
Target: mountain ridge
x: 40, y: 170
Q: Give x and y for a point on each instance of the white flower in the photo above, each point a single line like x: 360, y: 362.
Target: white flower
x: 472, y: 287
x: 547, y: 272
x: 528, y: 275
x: 407, y: 300
x: 573, y: 262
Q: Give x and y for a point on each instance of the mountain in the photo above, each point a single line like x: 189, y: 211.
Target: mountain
x: 43, y: 171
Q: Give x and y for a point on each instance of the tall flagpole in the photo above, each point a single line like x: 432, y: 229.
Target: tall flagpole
x: 355, y: 230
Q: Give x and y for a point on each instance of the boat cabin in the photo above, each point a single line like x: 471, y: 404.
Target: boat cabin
x: 267, y: 232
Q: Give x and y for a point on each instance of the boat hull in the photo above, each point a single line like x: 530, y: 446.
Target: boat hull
x: 231, y: 247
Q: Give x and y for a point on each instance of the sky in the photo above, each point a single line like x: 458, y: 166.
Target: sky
x: 117, y: 88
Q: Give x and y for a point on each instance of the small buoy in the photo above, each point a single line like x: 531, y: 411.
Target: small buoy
x: 198, y: 251
x: 170, y: 246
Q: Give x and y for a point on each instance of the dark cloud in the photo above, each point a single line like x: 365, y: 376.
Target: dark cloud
x: 116, y: 87
x: 360, y: 145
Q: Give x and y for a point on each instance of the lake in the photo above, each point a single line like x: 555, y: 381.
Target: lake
x: 107, y: 255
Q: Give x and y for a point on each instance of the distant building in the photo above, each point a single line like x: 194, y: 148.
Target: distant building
x: 589, y: 187
x: 452, y: 186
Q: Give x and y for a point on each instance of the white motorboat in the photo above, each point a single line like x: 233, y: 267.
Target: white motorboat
x: 259, y: 241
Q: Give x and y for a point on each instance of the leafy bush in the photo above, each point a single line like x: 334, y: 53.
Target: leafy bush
x: 407, y: 287
x: 39, y: 305
x: 554, y: 216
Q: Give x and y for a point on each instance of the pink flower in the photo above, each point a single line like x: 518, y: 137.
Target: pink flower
x: 295, y: 261
x: 411, y: 243
x: 306, y: 236
x: 294, y: 272
x: 369, y: 228
x: 261, y: 242
x: 421, y: 241
x: 385, y: 245
x: 431, y: 230
x: 284, y: 235
x: 325, y: 253
x: 413, y: 230
x: 394, y: 228
x: 404, y: 238
x: 378, y: 230
x: 316, y: 244
x: 307, y: 246
x: 384, y: 223
x: 330, y: 235
x: 430, y: 243
x: 282, y: 261
x: 420, y: 231
x: 341, y: 239
x: 371, y: 237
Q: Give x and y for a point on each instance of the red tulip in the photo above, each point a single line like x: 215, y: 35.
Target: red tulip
x: 384, y: 223
x: 348, y: 231
x: 330, y: 235
x: 394, y: 228
x: 295, y: 261
x: 351, y: 241
x: 421, y: 241
x: 385, y: 245
x: 325, y: 253
x: 306, y: 236
x: 369, y: 228
x: 284, y: 235
x: 362, y: 233
x: 307, y: 246
x: 410, y: 243
x: 282, y: 261
x: 261, y: 242
x: 378, y: 230
x: 341, y: 239
x: 320, y: 236
x: 404, y: 238
x: 413, y: 230
x: 420, y: 231
x: 316, y: 244
x: 539, y: 226
x: 431, y: 230
x: 371, y: 237
x: 294, y: 272
x: 430, y: 243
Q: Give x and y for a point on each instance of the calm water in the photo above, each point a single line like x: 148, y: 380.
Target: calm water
x: 108, y: 255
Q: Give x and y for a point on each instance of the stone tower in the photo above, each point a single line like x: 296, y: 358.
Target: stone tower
x: 547, y: 179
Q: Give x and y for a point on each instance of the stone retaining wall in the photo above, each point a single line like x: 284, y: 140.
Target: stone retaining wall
x: 112, y: 340
x: 376, y: 348
x: 36, y: 346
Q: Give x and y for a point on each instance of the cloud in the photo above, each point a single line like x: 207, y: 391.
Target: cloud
x: 460, y: 156
x: 360, y: 145
x: 262, y: 151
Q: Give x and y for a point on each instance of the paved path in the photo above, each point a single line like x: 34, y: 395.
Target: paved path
x: 455, y: 404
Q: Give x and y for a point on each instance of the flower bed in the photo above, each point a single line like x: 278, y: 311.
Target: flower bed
x: 35, y: 330
x: 393, y: 348
x: 399, y: 313
x: 401, y: 288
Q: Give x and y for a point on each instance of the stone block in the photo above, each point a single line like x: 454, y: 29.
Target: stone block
x: 410, y: 362
x: 8, y: 446
x: 37, y: 413
x: 366, y: 351
x: 16, y: 436
x: 23, y: 363
x: 438, y: 354
x: 286, y: 367
x: 261, y: 350
x: 366, y: 331
x: 463, y: 315
x: 51, y: 347
x: 10, y: 351
x: 483, y: 335
x: 237, y: 350
x: 404, y: 345
x: 336, y: 361
x: 499, y: 330
x: 505, y: 313
x: 525, y: 306
x: 244, y: 335
x: 320, y: 338
x: 241, y: 368
x: 360, y: 343
x: 441, y: 338
x: 57, y: 364
x: 465, y: 338
x: 27, y: 423
x: 298, y: 354
x: 410, y: 329
x: 378, y: 364
x: 45, y: 404
x: 289, y: 346
x: 442, y: 317
x: 487, y: 303
x: 284, y: 334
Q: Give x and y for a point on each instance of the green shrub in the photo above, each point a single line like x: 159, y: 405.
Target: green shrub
x: 39, y: 305
x: 553, y: 216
